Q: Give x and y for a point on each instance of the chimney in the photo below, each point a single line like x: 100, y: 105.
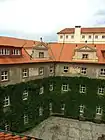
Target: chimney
x: 77, y: 26
x: 77, y: 34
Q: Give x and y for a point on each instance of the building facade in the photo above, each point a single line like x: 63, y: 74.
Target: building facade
x: 80, y: 35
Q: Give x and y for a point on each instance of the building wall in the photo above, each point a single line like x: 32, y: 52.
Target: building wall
x: 15, y: 72
x: 93, y: 71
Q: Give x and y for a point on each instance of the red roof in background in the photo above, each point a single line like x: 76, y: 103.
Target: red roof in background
x: 83, y: 30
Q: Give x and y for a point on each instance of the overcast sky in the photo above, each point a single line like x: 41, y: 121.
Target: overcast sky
x: 32, y: 19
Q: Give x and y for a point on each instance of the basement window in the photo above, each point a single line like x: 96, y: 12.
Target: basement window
x: 98, y: 110
x: 6, y: 101
x: 82, y: 89
x: 65, y: 87
x: 81, y: 109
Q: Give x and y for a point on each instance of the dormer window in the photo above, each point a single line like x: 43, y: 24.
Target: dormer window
x: 4, y: 52
x: 84, y: 56
x: 41, y: 54
x: 16, y: 52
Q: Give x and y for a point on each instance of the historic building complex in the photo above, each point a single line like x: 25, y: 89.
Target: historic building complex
x: 67, y: 68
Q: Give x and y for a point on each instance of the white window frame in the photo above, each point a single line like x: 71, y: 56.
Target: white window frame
x: 98, y: 110
x: 81, y: 109
x: 65, y: 87
x: 41, y: 90
x: 4, y: 52
x: 16, y: 52
x: 82, y: 89
x: 41, y: 71
x: 26, y: 119
x: 40, y: 111
x: 96, y: 36
x: 7, y: 127
x: 89, y: 37
x: 25, y: 73
x: 62, y: 107
x: 101, y: 90
x: 83, y: 36
x: 51, y: 87
x: 85, y: 56
x: 50, y: 106
x: 84, y: 71
x: 65, y: 70
x: 41, y: 54
x: 72, y: 36
x: 103, y: 36
x: 4, y: 75
x: 61, y: 36
x: 102, y: 72
x: 25, y: 95
x: 51, y: 69
x: 6, y: 101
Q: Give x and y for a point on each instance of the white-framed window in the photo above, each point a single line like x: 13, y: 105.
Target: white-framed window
x: 25, y: 73
x: 6, y: 101
x: 72, y: 36
x: 101, y: 90
x: 89, y: 36
x: 83, y: 70
x: 4, y: 75
x: 4, y: 51
x: 40, y: 111
x: 41, y: 71
x: 83, y: 36
x: 65, y: 69
x: 7, y: 127
x: 62, y: 107
x: 51, y: 69
x: 67, y: 36
x: 85, y: 56
x: 61, y: 36
x: 103, y: 36
x: 98, y: 110
x: 41, y: 90
x: 65, y: 87
x: 41, y: 54
x: 50, y: 106
x: 25, y: 95
x: 82, y: 89
x: 81, y: 109
x: 96, y: 36
x: 102, y: 72
x: 51, y: 87
x: 25, y: 119
x: 16, y: 52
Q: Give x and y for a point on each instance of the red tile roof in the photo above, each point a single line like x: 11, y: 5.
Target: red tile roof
x: 83, y: 30
x: 57, y: 52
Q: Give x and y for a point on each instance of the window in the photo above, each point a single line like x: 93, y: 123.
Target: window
x: 103, y: 36
x: 25, y: 95
x: 4, y: 75
x: 83, y: 36
x: 25, y: 73
x: 84, y: 56
x: 61, y: 36
x: 81, y: 109
x: 66, y: 36
x: 82, y: 89
x: 101, y: 90
x: 51, y: 69
x: 50, y: 106
x: 62, y: 107
x: 41, y: 90
x: 83, y: 70
x: 16, y: 52
x: 102, y: 72
x: 89, y: 36
x: 40, y: 111
x: 41, y: 54
x: 51, y: 87
x: 7, y: 127
x: 6, y: 101
x: 72, y: 36
x: 4, y: 52
x: 41, y: 71
x: 98, y: 110
x: 96, y: 36
x: 25, y: 119
x: 65, y: 69
x: 65, y: 87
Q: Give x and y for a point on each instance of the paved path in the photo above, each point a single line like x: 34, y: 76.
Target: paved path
x: 56, y: 128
